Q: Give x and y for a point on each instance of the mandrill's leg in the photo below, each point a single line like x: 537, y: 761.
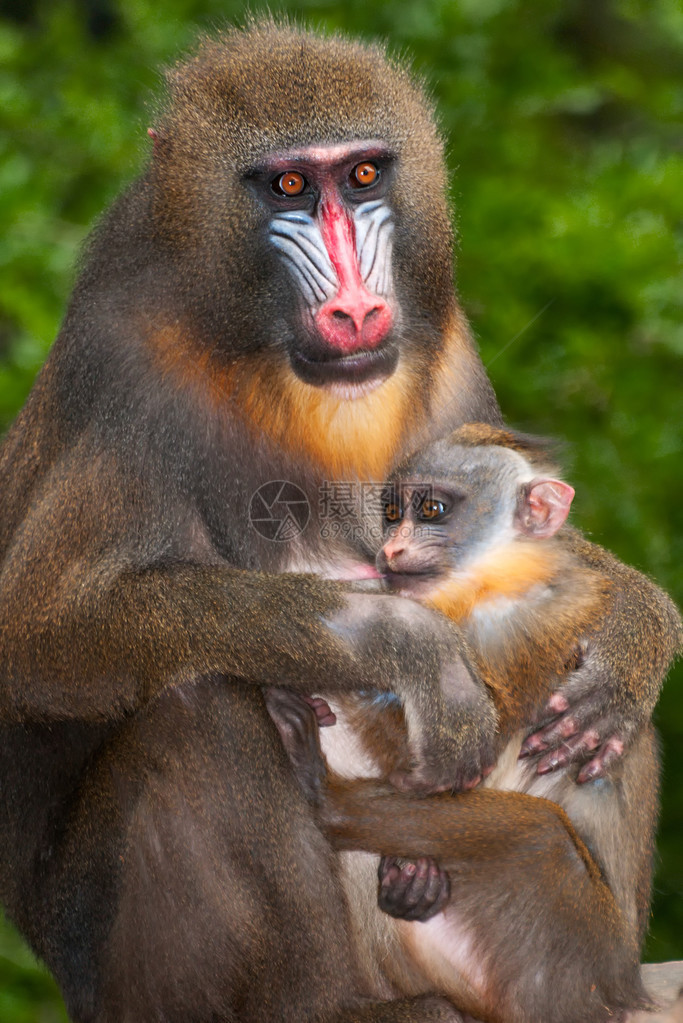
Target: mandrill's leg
x: 227, y: 905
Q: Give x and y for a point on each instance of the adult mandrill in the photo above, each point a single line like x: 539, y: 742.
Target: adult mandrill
x: 272, y: 300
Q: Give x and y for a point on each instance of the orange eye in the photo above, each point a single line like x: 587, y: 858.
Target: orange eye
x: 392, y: 513
x: 290, y: 183
x: 364, y: 175
x: 432, y: 509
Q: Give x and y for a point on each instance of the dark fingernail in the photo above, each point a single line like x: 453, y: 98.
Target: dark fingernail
x: 531, y: 746
x: 589, y: 772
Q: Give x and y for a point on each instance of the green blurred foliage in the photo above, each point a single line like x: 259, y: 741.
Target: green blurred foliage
x: 562, y: 121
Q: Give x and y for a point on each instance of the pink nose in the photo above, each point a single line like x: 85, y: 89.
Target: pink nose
x: 393, y: 550
x: 354, y: 319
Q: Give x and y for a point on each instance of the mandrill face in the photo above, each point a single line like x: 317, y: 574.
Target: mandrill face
x: 332, y: 226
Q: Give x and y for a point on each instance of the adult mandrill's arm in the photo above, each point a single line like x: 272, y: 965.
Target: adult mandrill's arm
x: 622, y: 665
x: 106, y: 600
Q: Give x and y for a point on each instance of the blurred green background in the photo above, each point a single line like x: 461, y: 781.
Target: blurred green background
x: 563, y: 126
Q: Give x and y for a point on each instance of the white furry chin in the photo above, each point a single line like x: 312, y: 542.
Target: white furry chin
x: 350, y: 392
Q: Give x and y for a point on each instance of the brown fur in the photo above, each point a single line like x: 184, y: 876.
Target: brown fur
x: 342, y: 439
x: 534, y: 449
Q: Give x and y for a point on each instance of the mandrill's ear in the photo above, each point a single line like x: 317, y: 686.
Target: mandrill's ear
x: 542, y: 507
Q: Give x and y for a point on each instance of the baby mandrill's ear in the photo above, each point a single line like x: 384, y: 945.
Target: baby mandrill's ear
x: 542, y: 507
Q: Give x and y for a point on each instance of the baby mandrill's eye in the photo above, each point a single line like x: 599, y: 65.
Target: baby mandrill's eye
x: 392, y: 512
x: 432, y: 510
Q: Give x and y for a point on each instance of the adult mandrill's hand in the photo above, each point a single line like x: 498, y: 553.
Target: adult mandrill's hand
x: 592, y: 719
x: 591, y: 725
x: 419, y: 655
